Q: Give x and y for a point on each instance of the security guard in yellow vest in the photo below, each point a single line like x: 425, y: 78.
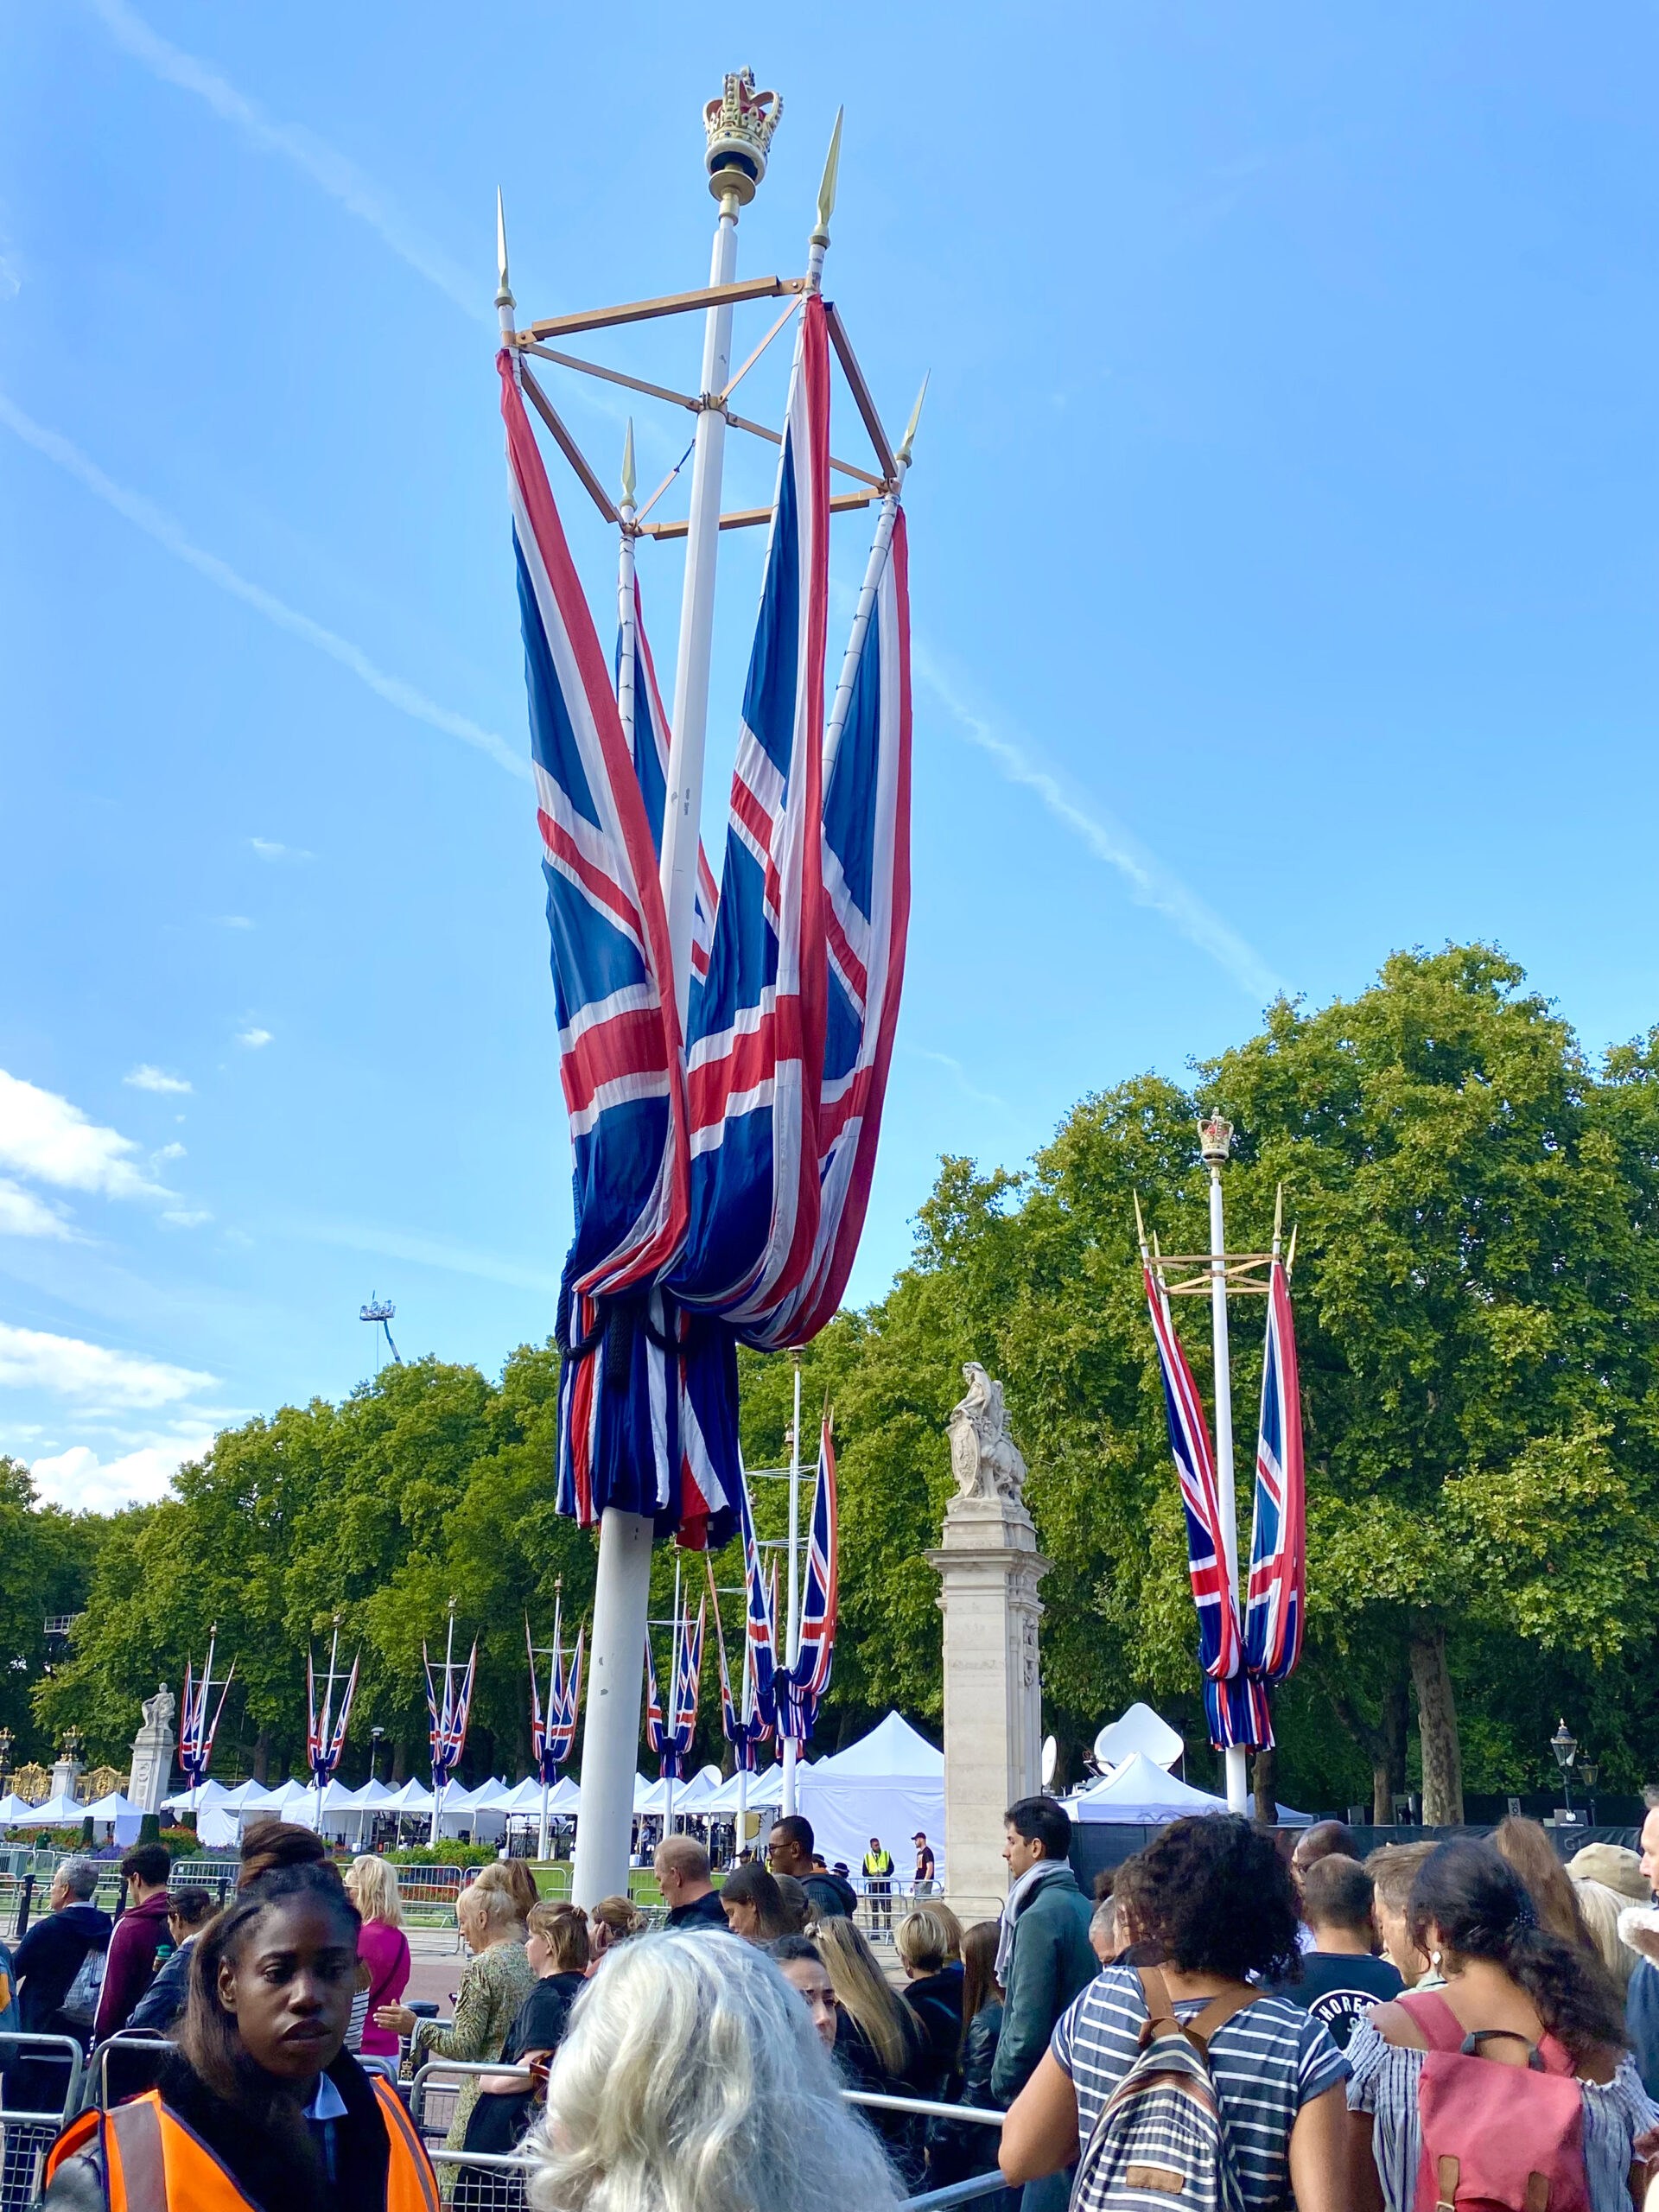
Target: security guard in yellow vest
x: 878, y: 1884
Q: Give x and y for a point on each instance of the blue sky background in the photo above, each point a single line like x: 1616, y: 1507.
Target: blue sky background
x: 1283, y: 561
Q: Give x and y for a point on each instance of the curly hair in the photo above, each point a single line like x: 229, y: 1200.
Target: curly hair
x: 1484, y: 1910
x: 1213, y: 1894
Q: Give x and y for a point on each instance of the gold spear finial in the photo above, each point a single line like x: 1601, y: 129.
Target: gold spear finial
x: 905, y: 442
x: 504, y: 294
x: 1290, y: 1257
x: 827, y: 188
x: 627, y: 466
x: 1140, y: 1224
x: 1277, y: 1215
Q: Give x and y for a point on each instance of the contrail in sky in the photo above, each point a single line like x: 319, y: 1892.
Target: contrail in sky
x: 340, y: 178
x: 160, y: 525
x: 1151, y: 884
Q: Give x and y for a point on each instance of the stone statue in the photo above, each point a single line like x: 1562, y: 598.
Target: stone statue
x: 984, y: 1457
x: 159, y: 1710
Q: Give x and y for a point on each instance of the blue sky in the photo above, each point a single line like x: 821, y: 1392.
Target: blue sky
x: 1283, y: 564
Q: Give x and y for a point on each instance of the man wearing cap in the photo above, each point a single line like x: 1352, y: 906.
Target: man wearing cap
x: 924, y: 1882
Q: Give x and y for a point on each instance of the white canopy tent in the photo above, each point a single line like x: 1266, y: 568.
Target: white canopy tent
x: 58, y: 1812
x: 14, y: 1809
x: 124, y: 1819
x: 1138, y: 1729
x: 692, y: 1795
x: 890, y: 1783
x: 1140, y: 1795
x: 765, y: 1789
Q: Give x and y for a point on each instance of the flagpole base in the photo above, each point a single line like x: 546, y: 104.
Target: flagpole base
x: 615, y: 1688
x: 1238, y: 1778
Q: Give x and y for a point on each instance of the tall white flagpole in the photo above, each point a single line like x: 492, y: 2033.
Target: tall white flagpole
x: 739, y: 126
x: 792, y: 1639
x: 873, y: 567
x: 1216, y: 1138
x: 438, y: 1788
x: 673, y: 1708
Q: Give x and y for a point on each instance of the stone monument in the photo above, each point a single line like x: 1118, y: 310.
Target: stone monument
x: 152, y: 1753
x: 990, y: 1565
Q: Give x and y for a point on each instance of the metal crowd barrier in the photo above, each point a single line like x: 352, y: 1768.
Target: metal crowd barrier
x: 28, y: 2135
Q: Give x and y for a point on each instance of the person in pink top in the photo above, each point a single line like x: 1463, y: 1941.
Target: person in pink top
x: 382, y: 1946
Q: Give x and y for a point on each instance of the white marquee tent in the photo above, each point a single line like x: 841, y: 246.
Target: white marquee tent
x: 1143, y: 1795
x: 124, y: 1819
x: 889, y: 1783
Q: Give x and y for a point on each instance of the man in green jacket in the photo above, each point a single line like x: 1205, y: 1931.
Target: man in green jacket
x: 1043, y: 1957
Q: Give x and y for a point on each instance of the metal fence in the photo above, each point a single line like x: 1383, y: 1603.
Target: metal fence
x: 28, y: 2131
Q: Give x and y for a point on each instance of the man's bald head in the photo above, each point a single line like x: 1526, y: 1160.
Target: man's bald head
x: 1323, y: 1839
x: 684, y: 1856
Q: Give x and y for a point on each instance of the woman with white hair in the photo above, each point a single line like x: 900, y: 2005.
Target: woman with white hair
x: 693, y: 2074
x: 497, y: 1979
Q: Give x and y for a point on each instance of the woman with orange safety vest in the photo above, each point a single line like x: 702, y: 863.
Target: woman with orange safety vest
x: 260, y: 2109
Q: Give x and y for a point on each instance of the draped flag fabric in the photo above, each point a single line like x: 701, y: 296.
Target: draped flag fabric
x: 755, y: 1058
x: 669, y: 1735
x: 449, y: 1715
x: 1278, y: 1590
x: 742, y: 1724
x: 553, y: 1732
x: 656, y: 1734
x: 196, y: 1729
x: 1234, y: 1705
x: 325, y: 1735
x: 644, y: 722
x: 801, y: 1687
x: 866, y: 915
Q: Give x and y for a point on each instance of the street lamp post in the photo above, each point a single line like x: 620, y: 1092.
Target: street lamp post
x: 375, y: 1734
x: 5, y: 1758
x: 1564, y: 1745
x: 1591, y: 1772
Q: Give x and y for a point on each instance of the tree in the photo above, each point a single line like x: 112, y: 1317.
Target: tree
x: 49, y: 1556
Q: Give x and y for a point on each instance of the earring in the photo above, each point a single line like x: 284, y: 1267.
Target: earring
x: 1435, y: 1960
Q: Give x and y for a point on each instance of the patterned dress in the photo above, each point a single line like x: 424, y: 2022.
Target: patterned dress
x: 494, y: 1985
x: 1384, y: 2083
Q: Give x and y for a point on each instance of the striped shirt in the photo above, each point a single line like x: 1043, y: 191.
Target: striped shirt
x: 1384, y: 2083
x: 1267, y: 2061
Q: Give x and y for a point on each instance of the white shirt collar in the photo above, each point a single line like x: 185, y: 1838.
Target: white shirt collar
x: 327, y: 2103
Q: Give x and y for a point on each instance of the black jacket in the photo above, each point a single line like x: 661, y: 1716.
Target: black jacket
x: 936, y: 1999
x: 701, y: 1912
x: 901, y: 2131
x: 164, y: 2001
x: 48, y: 1959
x: 959, y: 2148
x: 830, y: 1894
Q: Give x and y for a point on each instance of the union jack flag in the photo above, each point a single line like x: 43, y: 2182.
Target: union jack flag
x: 644, y: 722
x: 670, y: 1738
x: 1278, y: 1592
x: 325, y: 1734
x: 553, y: 1734
x: 867, y: 916
x: 196, y: 1730
x: 755, y: 1065
x: 449, y: 1715
x: 801, y: 1687
x: 743, y: 1727
x: 1231, y: 1701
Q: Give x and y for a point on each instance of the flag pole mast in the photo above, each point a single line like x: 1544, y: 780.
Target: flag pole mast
x: 792, y: 1639
x: 1215, y: 1139
x: 873, y: 567
x: 740, y: 125
x: 438, y: 1787
x: 673, y: 1704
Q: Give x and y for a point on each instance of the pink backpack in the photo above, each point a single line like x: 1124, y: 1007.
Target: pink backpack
x: 1496, y: 2138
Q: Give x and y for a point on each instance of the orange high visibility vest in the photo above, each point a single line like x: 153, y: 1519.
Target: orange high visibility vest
x: 153, y: 2163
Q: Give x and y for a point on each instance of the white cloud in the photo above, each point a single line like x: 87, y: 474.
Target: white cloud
x: 68, y: 1368
x: 160, y: 525
x: 425, y: 1251
x: 234, y: 922
x: 1151, y: 884
x: 337, y: 176
x: 44, y: 1136
x: 187, y: 1216
x: 253, y: 1038
x: 167, y: 1152
x: 21, y: 1214
x: 269, y: 850
x: 81, y: 1481
x: 146, y: 1077
x: 948, y: 1060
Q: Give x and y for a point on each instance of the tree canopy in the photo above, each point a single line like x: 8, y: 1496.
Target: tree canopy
x: 1477, y: 1294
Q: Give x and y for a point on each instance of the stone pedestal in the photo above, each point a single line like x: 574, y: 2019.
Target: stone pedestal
x: 65, y: 1777
x: 152, y: 1754
x: 990, y: 1565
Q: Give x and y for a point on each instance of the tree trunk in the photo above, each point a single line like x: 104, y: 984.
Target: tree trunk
x: 399, y: 1762
x: 1437, y: 1730
x: 1262, y: 1779
x: 262, y: 1756
x: 1389, y: 1762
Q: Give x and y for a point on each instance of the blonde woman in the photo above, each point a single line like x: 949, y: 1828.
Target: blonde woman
x: 382, y: 1946
x: 924, y: 1940
x: 497, y: 1979
x: 879, y: 2044
x: 692, y: 2075
x: 612, y: 1921
x: 513, y: 1876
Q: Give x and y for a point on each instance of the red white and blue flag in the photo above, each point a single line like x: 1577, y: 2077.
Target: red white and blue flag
x: 867, y: 918
x: 755, y: 1058
x: 670, y: 1735
x: 1278, y: 1594
x: 800, y: 1688
x: 325, y: 1734
x: 553, y: 1731
x: 448, y: 1713
x: 196, y: 1728
x: 644, y: 722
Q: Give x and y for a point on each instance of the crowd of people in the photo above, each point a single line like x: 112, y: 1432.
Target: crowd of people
x: 1470, y: 2022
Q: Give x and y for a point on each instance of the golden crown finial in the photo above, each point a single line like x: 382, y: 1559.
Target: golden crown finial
x: 740, y: 124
